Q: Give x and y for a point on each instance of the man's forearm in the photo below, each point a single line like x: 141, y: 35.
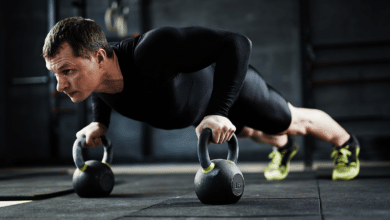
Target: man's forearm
x: 101, y: 112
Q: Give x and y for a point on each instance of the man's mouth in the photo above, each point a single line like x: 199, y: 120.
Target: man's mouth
x: 71, y: 94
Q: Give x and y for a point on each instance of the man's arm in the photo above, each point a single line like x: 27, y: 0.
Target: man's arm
x: 164, y: 52
x: 98, y: 127
x: 101, y: 112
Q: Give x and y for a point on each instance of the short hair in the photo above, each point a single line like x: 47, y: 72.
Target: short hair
x: 83, y: 35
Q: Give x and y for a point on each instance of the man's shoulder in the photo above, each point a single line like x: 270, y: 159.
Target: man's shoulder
x: 121, y: 43
x: 125, y: 47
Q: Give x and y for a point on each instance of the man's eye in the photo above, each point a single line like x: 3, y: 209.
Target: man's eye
x: 67, y: 71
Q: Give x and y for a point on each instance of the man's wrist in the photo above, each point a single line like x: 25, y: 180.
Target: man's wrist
x: 101, y: 125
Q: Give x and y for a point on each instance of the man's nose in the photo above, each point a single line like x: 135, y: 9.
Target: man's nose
x: 61, y: 85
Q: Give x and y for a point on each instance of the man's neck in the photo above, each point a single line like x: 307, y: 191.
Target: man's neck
x: 113, y: 79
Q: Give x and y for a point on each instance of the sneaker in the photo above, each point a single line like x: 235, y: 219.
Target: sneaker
x: 279, y: 167
x: 346, y: 160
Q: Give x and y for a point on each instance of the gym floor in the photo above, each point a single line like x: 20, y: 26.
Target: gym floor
x: 166, y: 191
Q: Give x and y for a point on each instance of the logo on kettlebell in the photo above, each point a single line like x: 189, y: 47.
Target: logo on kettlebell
x: 237, y: 185
x: 106, y: 182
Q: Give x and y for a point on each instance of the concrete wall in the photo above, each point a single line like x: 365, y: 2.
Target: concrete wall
x: 353, y: 39
x: 2, y: 85
x: 27, y: 126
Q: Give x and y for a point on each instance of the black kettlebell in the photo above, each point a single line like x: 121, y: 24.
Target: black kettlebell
x: 93, y: 178
x: 218, y: 181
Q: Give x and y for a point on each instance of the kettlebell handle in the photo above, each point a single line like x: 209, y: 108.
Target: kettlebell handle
x: 78, y: 156
x: 203, y: 152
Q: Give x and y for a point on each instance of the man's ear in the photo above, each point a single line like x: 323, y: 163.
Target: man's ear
x: 101, y: 55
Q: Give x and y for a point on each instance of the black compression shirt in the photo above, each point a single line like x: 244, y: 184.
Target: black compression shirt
x: 173, y: 77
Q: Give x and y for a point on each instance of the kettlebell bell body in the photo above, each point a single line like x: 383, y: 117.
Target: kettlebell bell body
x: 218, y: 181
x: 93, y: 178
x: 96, y: 181
x: 223, y: 185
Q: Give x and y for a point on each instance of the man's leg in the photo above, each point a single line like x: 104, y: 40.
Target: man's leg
x: 316, y: 123
x: 304, y: 121
x: 284, y: 149
x: 321, y: 126
x: 261, y: 137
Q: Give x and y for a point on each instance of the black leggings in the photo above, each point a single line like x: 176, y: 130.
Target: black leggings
x: 259, y: 106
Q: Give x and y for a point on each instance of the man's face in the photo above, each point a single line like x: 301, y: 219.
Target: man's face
x: 78, y: 77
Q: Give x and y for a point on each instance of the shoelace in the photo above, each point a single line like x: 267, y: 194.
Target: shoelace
x: 341, y: 156
x: 276, y: 159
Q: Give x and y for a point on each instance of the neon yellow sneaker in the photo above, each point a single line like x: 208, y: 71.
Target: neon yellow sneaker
x: 279, y: 167
x: 346, y: 160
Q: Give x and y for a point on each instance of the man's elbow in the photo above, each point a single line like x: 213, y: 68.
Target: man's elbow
x: 242, y: 43
x: 245, y: 41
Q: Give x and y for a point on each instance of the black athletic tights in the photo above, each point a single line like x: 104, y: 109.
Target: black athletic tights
x: 260, y: 106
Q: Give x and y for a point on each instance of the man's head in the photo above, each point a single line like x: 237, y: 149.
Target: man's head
x: 76, y: 50
x: 83, y: 35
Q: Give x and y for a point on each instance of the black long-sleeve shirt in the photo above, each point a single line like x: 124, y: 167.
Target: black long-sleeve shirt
x: 173, y: 77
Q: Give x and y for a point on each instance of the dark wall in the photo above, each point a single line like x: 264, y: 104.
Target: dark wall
x: 351, y: 70
x: 349, y: 21
x: 2, y: 83
x: 27, y: 109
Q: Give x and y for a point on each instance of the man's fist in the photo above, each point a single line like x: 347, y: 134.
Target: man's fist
x: 222, y: 128
x: 92, y: 132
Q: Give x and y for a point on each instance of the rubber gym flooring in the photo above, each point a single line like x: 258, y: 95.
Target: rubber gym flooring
x: 167, y: 192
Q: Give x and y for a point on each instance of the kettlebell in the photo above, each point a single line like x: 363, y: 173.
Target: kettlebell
x: 218, y: 181
x: 93, y: 178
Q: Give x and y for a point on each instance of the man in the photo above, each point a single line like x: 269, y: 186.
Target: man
x: 173, y: 78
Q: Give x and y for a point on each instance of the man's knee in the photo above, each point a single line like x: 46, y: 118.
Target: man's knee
x: 280, y: 140
x: 245, y: 132
x: 275, y: 140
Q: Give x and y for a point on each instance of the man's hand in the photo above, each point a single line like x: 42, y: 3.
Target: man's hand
x: 222, y: 128
x: 93, y: 132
